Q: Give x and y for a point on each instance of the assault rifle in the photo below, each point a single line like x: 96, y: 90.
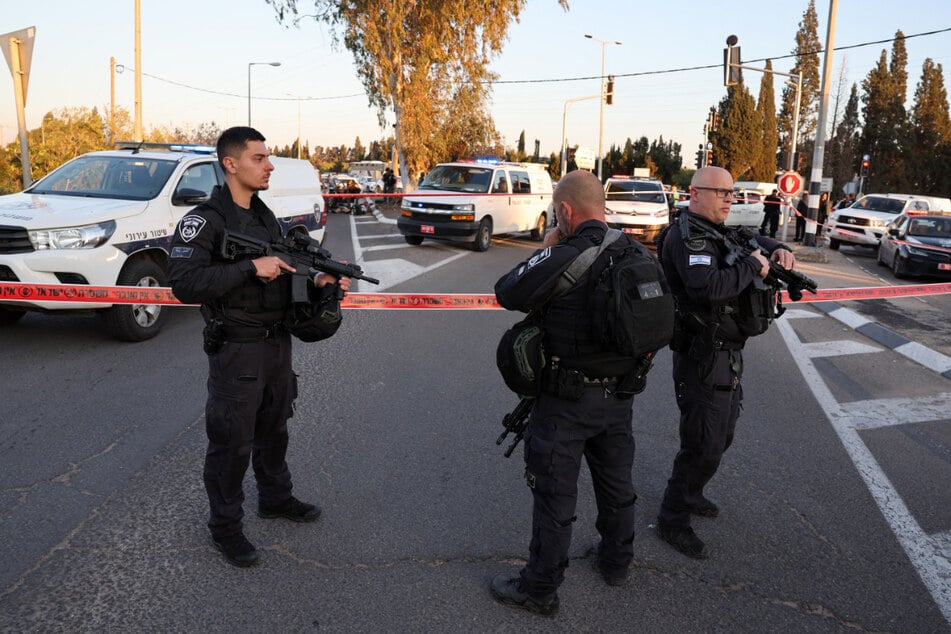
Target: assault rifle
x: 297, y: 250
x: 742, y: 242
x: 515, y: 422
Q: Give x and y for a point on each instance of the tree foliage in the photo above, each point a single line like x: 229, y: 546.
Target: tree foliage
x: 931, y: 142
x: 807, y: 62
x: 427, y: 61
x: 738, y: 139
x: 764, y: 159
x: 885, y: 135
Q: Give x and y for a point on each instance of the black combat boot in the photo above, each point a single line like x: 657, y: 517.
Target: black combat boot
x: 508, y: 591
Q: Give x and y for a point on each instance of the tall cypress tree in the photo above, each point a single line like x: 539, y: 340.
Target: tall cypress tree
x: 842, y: 155
x: 931, y: 132
x: 764, y: 166
x: 886, y: 130
x: 807, y: 61
x: 737, y: 141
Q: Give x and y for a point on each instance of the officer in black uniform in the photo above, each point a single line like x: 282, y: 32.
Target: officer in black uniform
x: 712, y: 294
x: 251, y: 386
x: 594, y: 421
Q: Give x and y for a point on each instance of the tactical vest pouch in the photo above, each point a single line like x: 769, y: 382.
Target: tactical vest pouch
x: 318, y: 320
x: 520, y: 357
x: 755, y: 310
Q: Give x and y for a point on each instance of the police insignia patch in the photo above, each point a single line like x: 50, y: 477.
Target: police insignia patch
x: 696, y: 245
x: 541, y: 257
x: 190, y: 226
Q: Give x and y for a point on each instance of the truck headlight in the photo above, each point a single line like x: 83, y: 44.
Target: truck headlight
x: 87, y: 237
x: 877, y: 223
x: 464, y: 207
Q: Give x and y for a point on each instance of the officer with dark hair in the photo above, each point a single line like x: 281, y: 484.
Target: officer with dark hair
x: 713, y: 294
x: 251, y: 386
x: 580, y: 412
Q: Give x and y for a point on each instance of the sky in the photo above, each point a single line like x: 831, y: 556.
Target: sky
x: 196, y: 56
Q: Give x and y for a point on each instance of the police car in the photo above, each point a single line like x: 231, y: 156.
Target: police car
x: 917, y: 243
x: 107, y: 219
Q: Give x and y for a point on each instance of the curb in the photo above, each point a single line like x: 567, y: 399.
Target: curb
x: 912, y: 350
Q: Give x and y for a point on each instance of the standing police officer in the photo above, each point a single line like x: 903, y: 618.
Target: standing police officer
x: 713, y: 294
x: 251, y: 386
x: 578, y: 412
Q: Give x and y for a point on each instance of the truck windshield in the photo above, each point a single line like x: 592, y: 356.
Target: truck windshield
x: 877, y: 203
x: 458, y: 178
x: 119, y: 177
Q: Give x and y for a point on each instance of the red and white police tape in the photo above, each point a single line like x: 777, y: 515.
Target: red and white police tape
x: 19, y: 292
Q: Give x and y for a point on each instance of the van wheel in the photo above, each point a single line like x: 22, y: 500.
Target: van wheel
x: 538, y: 233
x: 483, y: 235
x: 834, y: 244
x: 413, y: 240
x: 136, y: 322
x: 10, y: 316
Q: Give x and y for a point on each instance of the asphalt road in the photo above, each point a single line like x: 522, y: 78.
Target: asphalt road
x: 102, y: 509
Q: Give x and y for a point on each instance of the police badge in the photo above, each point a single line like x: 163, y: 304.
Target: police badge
x: 190, y: 226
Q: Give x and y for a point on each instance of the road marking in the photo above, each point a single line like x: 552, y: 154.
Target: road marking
x: 930, y: 555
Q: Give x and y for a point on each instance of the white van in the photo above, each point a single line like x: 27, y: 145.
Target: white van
x: 472, y: 201
x: 107, y: 219
x: 864, y: 222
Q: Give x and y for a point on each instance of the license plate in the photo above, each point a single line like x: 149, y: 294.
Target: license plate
x: 633, y: 231
x: 427, y: 229
x: 944, y: 267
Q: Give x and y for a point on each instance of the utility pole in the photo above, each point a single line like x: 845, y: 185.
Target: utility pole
x: 139, y: 135
x: 815, y: 183
x: 604, y: 44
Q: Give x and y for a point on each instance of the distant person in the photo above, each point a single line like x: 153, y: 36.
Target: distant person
x: 802, y: 211
x: 772, y: 205
x: 823, y: 212
x: 389, y: 181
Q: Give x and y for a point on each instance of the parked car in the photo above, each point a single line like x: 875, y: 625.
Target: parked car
x: 480, y: 199
x: 863, y: 224
x: 107, y: 219
x: 917, y: 244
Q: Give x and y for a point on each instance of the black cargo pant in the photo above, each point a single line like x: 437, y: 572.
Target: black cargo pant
x: 251, y: 392
x: 560, y: 432
x: 709, y: 407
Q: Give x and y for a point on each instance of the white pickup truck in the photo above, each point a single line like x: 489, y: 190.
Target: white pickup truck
x: 107, y: 219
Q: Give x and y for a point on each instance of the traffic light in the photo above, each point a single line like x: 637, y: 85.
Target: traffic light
x: 709, y: 157
x: 732, y: 74
x: 699, y: 159
x: 864, y: 172
x: 609, y: 92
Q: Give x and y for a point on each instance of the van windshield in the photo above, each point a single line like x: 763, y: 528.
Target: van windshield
x: 119, y: 177
x: 458, y: 178
x: 636, y: 191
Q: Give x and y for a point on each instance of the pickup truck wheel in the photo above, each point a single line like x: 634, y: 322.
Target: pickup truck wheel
x: 538, y: 233
x: 9, y: 316
x: 483, y: 235
x: 834, y: 244
x: 136, y: 322
x: 413, y: 240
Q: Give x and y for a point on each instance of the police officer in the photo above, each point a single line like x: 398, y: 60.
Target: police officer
x: 711, y: 291
x: 568, y: 421
x: 251, y: 386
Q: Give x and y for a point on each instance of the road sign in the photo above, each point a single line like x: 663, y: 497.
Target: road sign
x: 790, y: 183
x: 584, y: 158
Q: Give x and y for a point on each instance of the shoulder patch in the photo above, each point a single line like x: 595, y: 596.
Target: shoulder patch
x: 698, y: 244
x: 181, y: 253
x: 700, y: 260
x: 540, y: 257
x: 190, y: 226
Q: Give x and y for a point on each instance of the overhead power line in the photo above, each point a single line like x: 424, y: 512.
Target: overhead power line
x: 554, y: 80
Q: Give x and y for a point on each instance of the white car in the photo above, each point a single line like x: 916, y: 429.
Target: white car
x: 636, y: 206
x: 107, y: 219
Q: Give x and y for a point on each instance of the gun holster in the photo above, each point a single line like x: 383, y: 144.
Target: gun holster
x: 563, y: 382
x: 213, y: 336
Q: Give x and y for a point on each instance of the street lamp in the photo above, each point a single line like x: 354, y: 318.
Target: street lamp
x: 604, y: 44
x: 250, y: 64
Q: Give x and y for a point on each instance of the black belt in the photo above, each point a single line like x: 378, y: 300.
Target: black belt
x: 251, y: 334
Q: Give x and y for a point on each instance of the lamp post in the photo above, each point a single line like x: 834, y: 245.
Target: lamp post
x: 604, y: 44
x: 250, y: 64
